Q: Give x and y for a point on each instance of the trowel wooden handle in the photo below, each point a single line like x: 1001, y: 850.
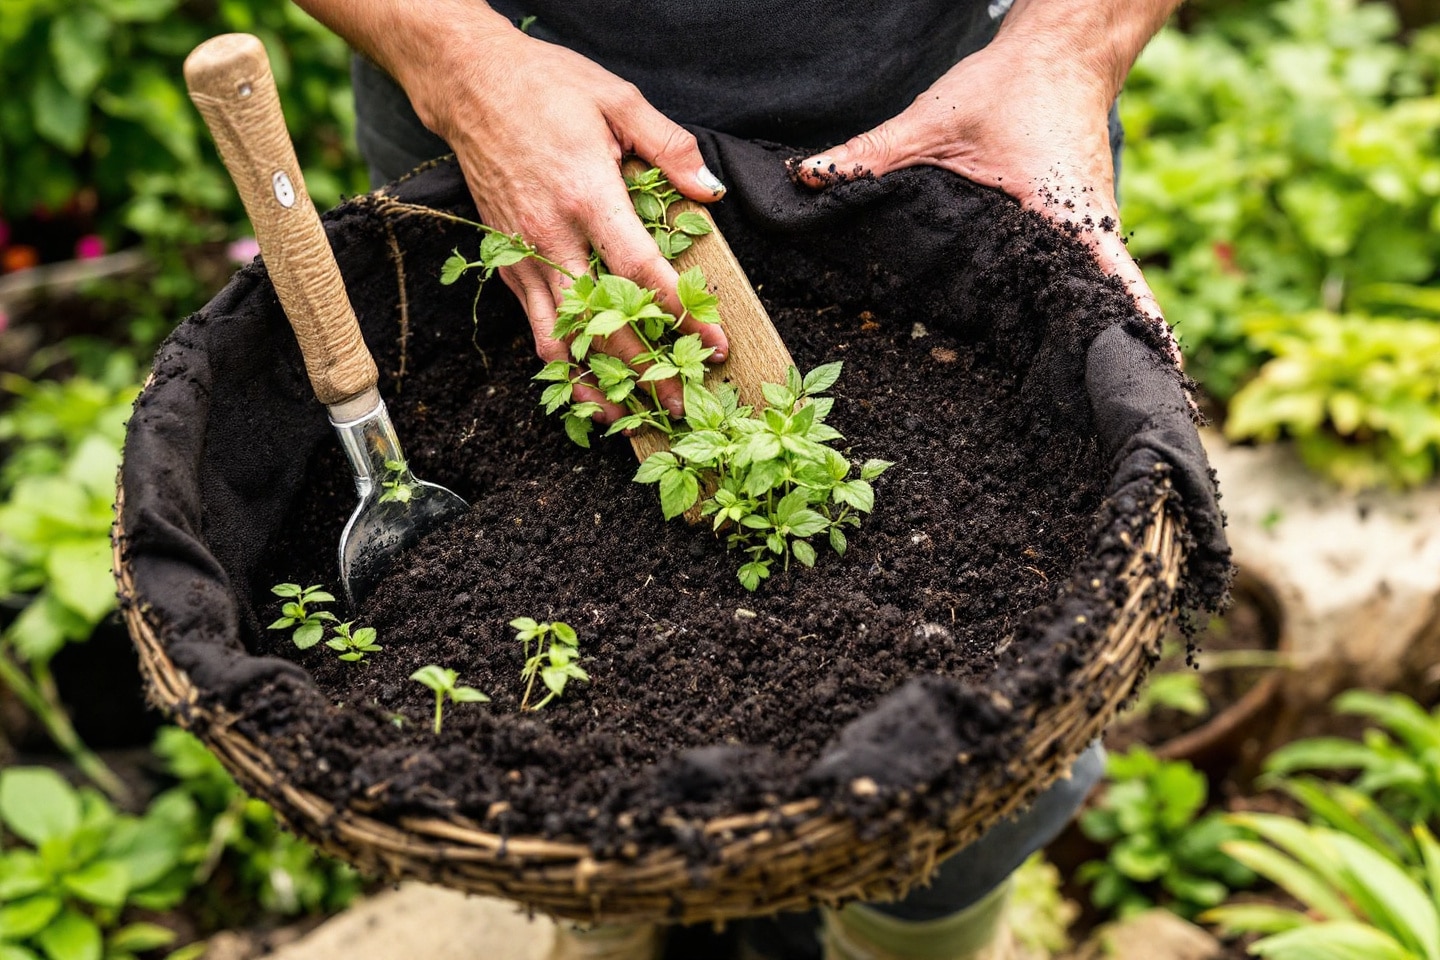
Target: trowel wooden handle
x: 231, y: 84
x: 757, y: 354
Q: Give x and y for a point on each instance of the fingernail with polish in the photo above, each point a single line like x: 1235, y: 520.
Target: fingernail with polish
x: 709, y: 181
x: 718, y: 356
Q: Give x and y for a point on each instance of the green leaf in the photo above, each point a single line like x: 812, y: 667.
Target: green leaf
x: 803, y: 552
x: 752, y: 573
x: 837, y: 541
x: 21, y: 874
x: 822, y: 378
x: 856, y: 493
x: 435, y: 677
x: 578, y: 426
x: 25, y: 918
x: 79, y: 575
x: 806, y: 523
x: 1319, y: 753
x: 13, y: 951
x: 468, y: 695
x: 1301, y: 883
x: 679, y: 489
x: 307, y: 635
x: 703, y: 447
x: 59, y: 115
x: 873, y: 468
x: 286, y: 590
x: 659, y: 371
x: 37, y: 805
x: 499, y: 250
x: 647, y: 207
x: 1390, y: 896
x: 1239, y: 918
x: 696, y: 297
x: 1336, y: 940
x: 79, y: 50
x: 778, y: 397
x: 140, y: 937
x: 556, y: 370
x: 71, y: 936
x: 564, y: 633
x: 692, y: 223
x: 655, y: 467
x: 102, y: 882
x: 453, y: 269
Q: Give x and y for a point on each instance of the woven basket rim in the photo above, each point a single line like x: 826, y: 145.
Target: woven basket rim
x: 787, y: 858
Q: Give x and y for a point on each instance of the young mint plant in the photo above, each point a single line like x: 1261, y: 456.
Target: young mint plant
x: 443, y: 681
x: 353, y: 646
x: 652, y: 196
x: 309, y: 624
x: 555, y: 660
x: 767, y: 478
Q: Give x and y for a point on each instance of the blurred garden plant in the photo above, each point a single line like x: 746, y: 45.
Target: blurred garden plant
x: 1282, y: 179
x: 1160, y: 847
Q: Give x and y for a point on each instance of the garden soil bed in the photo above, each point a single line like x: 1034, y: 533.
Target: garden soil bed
x: 980, y: 568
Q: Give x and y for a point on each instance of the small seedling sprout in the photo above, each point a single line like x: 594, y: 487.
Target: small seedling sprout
x: 555, y: 660
x: 353, y: 646
x: 443, y: 681
x: 295, y: 612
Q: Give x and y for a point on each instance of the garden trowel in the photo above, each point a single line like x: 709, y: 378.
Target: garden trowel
x: 231, y: 84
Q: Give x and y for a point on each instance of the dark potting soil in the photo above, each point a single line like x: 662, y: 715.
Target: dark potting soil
x: 985, y: 516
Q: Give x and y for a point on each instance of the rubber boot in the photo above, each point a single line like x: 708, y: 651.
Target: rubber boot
x: 608, y: 941
x: 860, y: 932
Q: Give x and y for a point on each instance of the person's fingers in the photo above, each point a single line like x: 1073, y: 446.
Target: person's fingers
x: 876, y: 152
x: 1115, y: 259
x: 624, y: 345
x: 656, y: 138
x: 539, y: 304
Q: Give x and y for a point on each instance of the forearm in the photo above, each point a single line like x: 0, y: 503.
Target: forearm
x: 409, y: 40
x: 1097, y: 40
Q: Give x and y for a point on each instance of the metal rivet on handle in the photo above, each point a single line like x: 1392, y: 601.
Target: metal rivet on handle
x: 284, y: 189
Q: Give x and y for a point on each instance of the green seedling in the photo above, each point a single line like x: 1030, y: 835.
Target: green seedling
x: 296, y: 612
x: 353, y: 646
x: 555, y: 660
x: 776, y: 482
x: 443, y: 682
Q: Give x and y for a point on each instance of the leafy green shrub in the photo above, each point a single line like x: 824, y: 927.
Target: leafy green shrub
x: 56, y: 491
x: 1359, y: 903
x: 1160, y: 847
x: 227, y: 832
x: 1284, y: 160
x: 1397, y: 762
x: 71, y: 866
x: 95, y: 99
x: 1359, y: 395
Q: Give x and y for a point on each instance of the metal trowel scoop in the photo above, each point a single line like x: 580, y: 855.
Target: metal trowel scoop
x: 230, y: 81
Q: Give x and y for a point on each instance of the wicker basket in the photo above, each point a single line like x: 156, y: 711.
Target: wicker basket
x: 788, y: 858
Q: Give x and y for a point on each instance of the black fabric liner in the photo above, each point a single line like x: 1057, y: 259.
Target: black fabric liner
x: 220, y: 441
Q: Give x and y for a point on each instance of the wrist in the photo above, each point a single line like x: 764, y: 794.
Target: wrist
x: 1093, y: 43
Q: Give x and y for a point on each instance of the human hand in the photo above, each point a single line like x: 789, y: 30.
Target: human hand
x: 1010, y: 117
x: 540, y: 132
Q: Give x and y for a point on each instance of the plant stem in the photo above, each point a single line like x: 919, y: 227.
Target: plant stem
x: 534, y: 668
x: 439, y: 707
x: 41, y: 699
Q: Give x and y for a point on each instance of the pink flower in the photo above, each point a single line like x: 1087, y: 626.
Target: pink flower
x: 89, y: 247
x: 242, y: 251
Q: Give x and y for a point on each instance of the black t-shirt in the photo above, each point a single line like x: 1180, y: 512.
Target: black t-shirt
x: 809, y: 73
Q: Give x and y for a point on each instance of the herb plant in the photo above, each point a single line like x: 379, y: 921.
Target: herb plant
x: 555, y: 660
x: 297, y: 612
x: 1159, y: 845
x: 353, y: 647
x: 72, y: 867
x: 766, y: 477
x: 443, y: 681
